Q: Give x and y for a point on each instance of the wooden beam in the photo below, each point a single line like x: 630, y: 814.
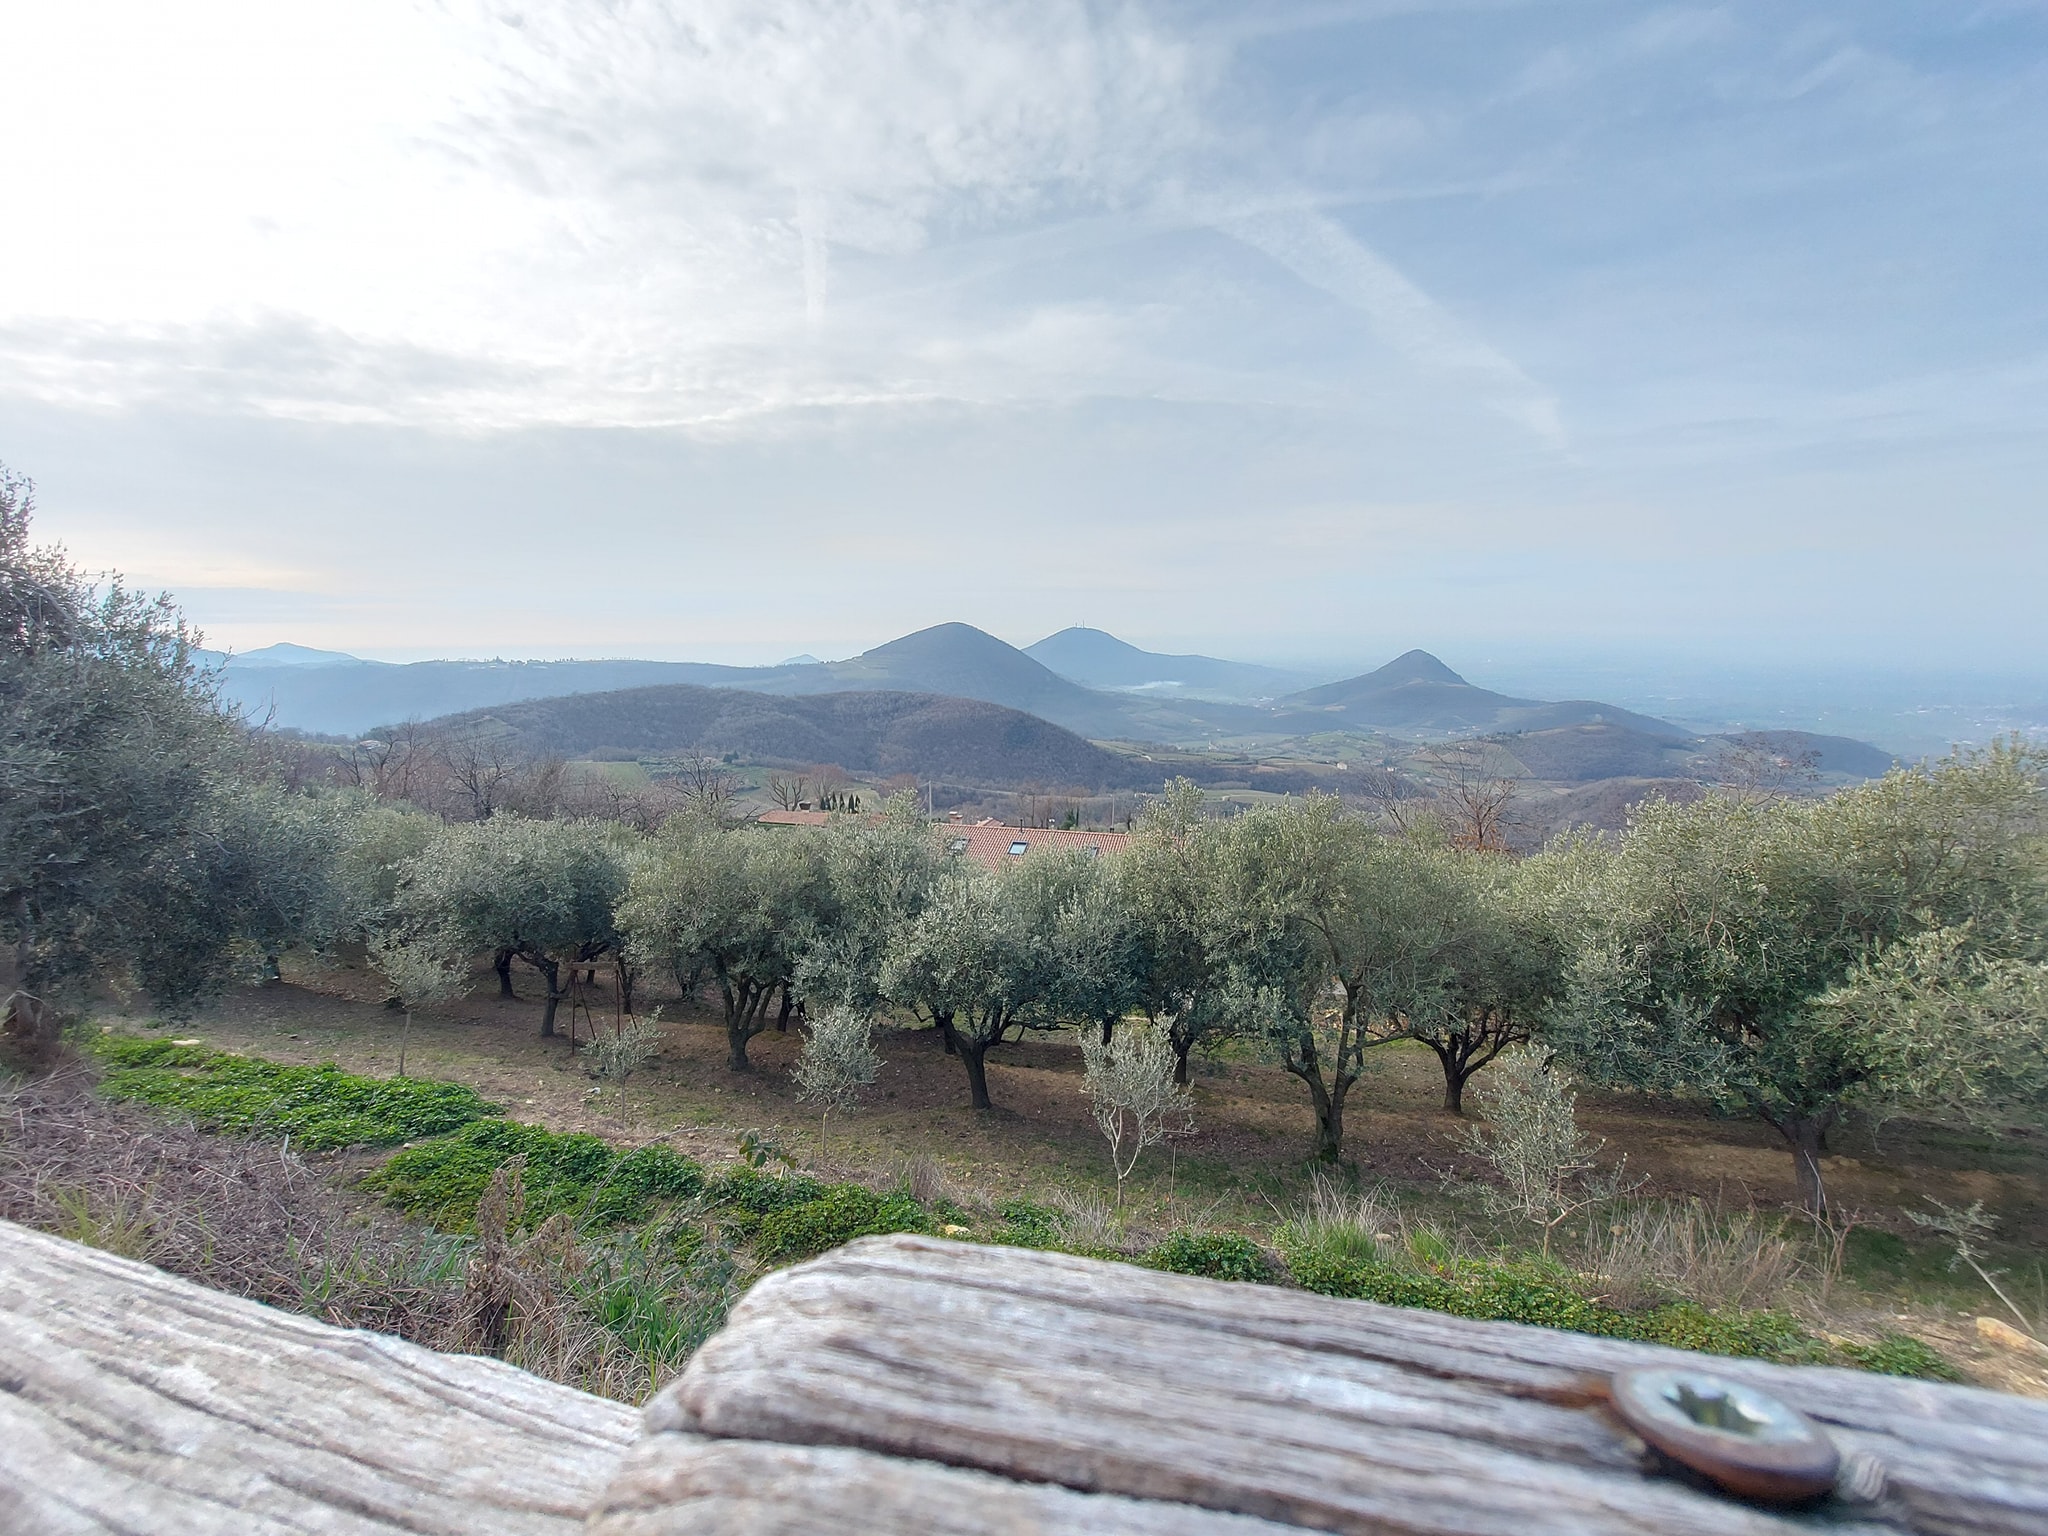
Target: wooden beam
x: 1288, y: 1407
x: 132, y: 1401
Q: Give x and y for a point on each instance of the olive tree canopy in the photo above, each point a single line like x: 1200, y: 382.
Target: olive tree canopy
x: 112, y: 744
x: 1790, y: 959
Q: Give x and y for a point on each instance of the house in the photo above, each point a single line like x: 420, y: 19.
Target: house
x: 989, y: 843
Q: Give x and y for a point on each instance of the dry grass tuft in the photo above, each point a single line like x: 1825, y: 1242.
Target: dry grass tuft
x: 1652, y: 1251
x: 248, y: 1217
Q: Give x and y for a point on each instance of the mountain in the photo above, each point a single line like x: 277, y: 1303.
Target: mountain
x: 1415, y: 692
x: 1601, y: 750
x: 1095, y: 658
x: 285, y: 654
x: 1415, y: 695
x: 957, y: 660
x: 1842, y: 755
x: 350, y: 697
x: 961, y: 741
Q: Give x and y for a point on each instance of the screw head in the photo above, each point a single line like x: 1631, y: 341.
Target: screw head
x: 1740, y: 1439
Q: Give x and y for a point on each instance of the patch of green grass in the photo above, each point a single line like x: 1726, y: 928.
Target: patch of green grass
x: 839, y: 1215
x: 1900, y: 1354
x: 1026, y: 1224
x: 1533, y: 1291
x: 662, y: 1289
x: 1216, y: 1255
x: 443, y: 1180
x: 319, y: 1108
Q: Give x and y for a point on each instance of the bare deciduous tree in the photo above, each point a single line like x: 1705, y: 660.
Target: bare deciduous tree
x: 480, y: 771
x: 705, y: 786
x: 1473, y: 801
x: 789, y: 791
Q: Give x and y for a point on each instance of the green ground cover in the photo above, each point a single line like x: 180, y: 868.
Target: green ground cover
x: 320, y: 1108
x: 671, y: 1246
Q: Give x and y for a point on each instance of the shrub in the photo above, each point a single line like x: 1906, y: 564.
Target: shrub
x: 661, y: 1290
x: 761, y: 1193
x: 641, y: 1180
x: 842, y: 1213
x: 319, y: 1108
x: 623, y: 1053
x: 1531, y: 1291
x: 1027, y: 1224
x: 1216, y: 1255
x: 574, y: 1174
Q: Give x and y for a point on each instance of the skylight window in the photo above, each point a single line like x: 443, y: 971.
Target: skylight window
x: 1019, y: 848
x: 957, y: 845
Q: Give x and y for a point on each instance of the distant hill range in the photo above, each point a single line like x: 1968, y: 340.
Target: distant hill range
x: 1416, y: 692
x: 968, y: 742
x: 1095, y: 658
x: 1416, y: 695
x: 958, y: 741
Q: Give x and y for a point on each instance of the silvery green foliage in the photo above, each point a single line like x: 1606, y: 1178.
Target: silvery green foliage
x: 1945, y: 1027
x: 1790, y: 959
x: 113, y: 756
x: 421, y: 972
x: 741, y: 904
x: 977, y: 963
x: 838, y: 1060
x: 1548, y: 1169
x: 1130, y: 1087
x: 623, y: 1052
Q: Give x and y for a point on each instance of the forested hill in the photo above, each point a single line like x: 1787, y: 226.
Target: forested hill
x: 962, y: 741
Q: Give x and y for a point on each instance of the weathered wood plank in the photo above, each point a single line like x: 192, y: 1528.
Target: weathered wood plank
x: 1331, y: 1415
x: 681, y: 1485
x: 133, y: 1401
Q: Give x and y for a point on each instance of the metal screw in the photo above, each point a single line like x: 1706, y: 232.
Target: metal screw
x: 1738, y: 1438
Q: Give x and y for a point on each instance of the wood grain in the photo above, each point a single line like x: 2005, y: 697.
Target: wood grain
x: 681, y: 1485
x: 1329, y: 1415
x: 133, y: 1401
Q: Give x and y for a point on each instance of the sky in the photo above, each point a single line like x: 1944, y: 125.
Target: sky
x: 1296, y: 332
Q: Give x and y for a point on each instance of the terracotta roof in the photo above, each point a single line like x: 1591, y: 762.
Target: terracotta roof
x: 985, y: 842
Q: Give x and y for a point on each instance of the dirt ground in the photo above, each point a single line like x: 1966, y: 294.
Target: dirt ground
x: 1244, y: 1164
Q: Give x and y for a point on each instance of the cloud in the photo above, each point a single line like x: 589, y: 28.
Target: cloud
x: 1321, y: 252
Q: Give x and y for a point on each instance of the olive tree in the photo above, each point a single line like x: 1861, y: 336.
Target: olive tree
x: 112, y: 749
x: 974, y: 963
x: 838, y: 1062
x: 1279, y: 873
x: 877, y: 876
x: 1792, y: 959
x: 741, y: 902
x: 543, y: 891
x: 1173, y: 959
x: 1128, y: 1077
x: 421, y: 974
x: 1549, y: 1170
x: 1451, y: 947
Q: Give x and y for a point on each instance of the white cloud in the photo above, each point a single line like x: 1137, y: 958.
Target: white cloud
x: 1320, y: 251
x: 619, y: 214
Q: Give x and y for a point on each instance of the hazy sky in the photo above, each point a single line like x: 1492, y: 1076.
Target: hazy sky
x: 737, y: 328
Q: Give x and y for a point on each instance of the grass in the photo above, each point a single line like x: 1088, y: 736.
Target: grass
x: 655, y: 1244
x: 579, y: 1176
x: 320, y: 1108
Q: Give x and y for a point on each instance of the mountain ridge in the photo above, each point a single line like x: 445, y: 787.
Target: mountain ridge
x: 1414, y: 693
x: 1094, y: 658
